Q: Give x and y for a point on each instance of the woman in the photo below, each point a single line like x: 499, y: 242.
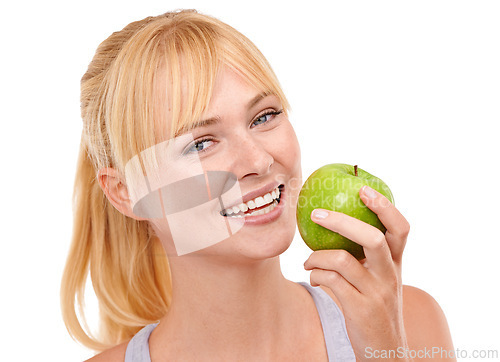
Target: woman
x: 179, y: 103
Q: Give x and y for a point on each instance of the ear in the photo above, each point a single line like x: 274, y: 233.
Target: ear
x: 113, y: 185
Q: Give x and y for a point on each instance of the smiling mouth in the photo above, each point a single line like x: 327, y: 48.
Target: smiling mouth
x: 258, y: 206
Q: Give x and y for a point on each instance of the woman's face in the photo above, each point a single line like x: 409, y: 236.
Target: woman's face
x: 246, y: 133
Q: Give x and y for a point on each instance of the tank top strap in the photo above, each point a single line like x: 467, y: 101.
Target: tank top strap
x: 337, y: 341
x: 138, y: 346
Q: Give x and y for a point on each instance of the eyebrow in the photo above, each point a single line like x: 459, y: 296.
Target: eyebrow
x: 200, y: 123
x: 255, y: 100
x: 214, y: 120
x: 206, y: 122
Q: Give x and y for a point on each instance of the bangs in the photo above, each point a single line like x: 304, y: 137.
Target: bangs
x: 190, y: 67
x: 196, y: 53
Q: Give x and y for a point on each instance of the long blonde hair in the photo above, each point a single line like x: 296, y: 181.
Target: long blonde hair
x: 169, y: 59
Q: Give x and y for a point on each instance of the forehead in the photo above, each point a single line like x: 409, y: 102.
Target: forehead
x: 231, y: 89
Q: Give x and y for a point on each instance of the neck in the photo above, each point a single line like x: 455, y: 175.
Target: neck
x: 236, y: 289
x: 219, y: 303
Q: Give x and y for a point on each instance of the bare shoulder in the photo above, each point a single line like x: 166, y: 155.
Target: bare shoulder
x: 425, y: 321
x: 421, y: 306
x: 116, y: 353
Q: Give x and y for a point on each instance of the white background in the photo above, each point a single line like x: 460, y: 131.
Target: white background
x: 407, y: 90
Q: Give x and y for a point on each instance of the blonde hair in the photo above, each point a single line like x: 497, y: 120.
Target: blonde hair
x: 169, y: 59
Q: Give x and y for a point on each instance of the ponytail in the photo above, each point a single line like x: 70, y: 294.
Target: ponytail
x: 128, y: 267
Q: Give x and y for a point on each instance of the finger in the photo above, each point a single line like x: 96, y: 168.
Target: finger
x: 395, y: 223
x: 343, y: 263
x: 343, y: 290
x: 369, y: 237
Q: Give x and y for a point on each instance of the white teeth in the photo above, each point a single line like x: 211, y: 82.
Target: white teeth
x: 264, y: 210
x: 269, y: 198
x: 259, y: 201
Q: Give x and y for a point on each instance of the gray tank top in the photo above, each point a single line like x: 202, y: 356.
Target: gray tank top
x: 337, y: 342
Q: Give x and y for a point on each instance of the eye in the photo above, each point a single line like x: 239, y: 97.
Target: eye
x: 199, y: 146
x: 266, y: 117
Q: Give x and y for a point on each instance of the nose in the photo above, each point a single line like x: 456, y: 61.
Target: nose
x: 250, y: 157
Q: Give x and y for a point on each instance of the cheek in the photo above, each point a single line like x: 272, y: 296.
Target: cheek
x: 287, y: 152
x: 287, y: 155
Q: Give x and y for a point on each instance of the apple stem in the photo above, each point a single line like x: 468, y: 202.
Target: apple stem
x: 355, y: 170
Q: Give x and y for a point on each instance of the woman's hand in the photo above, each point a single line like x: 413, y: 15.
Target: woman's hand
x: 369, y: 291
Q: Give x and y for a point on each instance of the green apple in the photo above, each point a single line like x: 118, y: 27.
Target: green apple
x: 336, y: 187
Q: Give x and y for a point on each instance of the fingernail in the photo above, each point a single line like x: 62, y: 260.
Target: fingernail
x: 320, y: 214
x: 369, y: 192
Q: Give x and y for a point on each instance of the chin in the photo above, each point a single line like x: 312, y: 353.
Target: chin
x: 247, y: 246
x: 264, y: 245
